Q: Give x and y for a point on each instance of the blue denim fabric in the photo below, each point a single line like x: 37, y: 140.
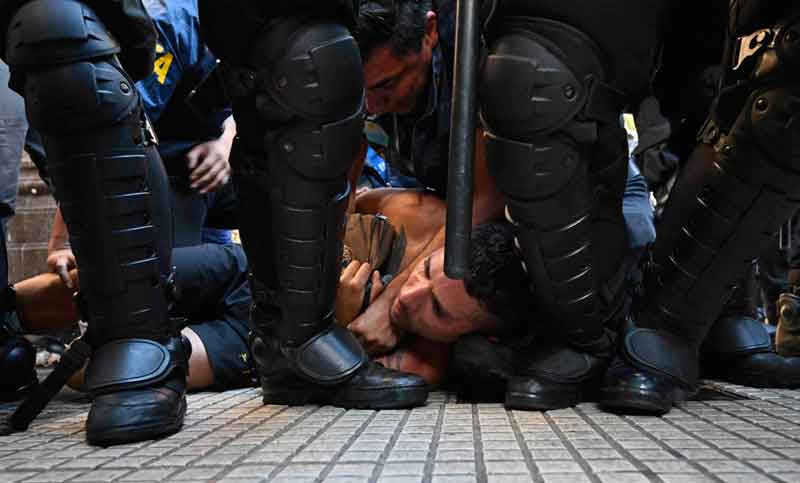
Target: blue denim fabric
x: 12, y: 137
x: 13, y: 126
x: 637, y: 209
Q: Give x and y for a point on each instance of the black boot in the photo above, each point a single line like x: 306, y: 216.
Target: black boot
x: 481, y: 369
x: 738, y: 347
x: 113, y: 193
x: 17, y: 355
x: 370, y: 386
x: 738, y: 187
x: 299, y: 121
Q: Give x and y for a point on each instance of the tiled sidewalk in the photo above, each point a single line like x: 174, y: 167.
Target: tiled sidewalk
x: 233, y: 437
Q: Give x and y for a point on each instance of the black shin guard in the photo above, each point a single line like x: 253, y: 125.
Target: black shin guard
x: 556, y: 149
x: 300, y: 129
x: 299, y: 115
x: 113, y: 194
x: 741, y: 183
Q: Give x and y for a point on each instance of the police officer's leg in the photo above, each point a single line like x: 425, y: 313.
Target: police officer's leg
x: 16, y: 354
x: 557, y: 150
x: 299, y: 124
x: 740, y: 184
x: 738, y: 347
x: 112, y: 190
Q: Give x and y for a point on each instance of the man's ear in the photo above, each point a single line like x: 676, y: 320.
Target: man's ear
x: 431, y: 39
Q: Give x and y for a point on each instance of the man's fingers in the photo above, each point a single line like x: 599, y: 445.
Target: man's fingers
x: 193, y: 157
x: 63, y: 272
x: 348, y: 272
x: 205, y: 180
x: 377, y: 286
x: 219, y: 180
x: 362, y: 275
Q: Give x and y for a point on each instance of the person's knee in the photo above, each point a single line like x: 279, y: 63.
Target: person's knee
x: 75, y: 84
x: 201, y: 375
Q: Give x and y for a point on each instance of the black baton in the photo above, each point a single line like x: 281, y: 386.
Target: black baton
x: 462, y: 140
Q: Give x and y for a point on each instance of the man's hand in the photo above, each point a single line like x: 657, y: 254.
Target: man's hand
x: 352, y: 286
x: 208, y: 165
x: 61, y: 262
x: 374, y: 328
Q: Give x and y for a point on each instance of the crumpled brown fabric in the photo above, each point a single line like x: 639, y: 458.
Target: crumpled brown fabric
x: 372, y: 239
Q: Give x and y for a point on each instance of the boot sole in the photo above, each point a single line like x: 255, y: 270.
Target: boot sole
x: 537, y: 402
x: 636, y: 402
x: 396, y: 398
x: 135, y: 433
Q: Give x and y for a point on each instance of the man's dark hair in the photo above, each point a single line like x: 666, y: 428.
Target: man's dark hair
x: 496, y: 276
x: 401, y: 22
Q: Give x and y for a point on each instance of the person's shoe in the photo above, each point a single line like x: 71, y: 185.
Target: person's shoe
x: 630, y: 390
x: 787, y: 336
x: 139, y: 390
x: 17, y: 366
x: 555, y: 378
x: 481, y: 368
x: 371, y: 386
x: 738, y: 349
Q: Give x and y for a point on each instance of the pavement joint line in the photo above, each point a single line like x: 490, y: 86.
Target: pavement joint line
x: 302, y: 417
x: 724, y: 450
x: 376, y: 472
x: 527, y: 456
x: 669, y: 449
x: 329, y: 467
x: 571, y: 449
x: 755, y: 423
x: 618, y: 447
x: 480, y: 464
x: 434, y: 446
x: 665, y: 446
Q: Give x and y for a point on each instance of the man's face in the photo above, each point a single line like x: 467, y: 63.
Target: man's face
x: 395, y: 82
x: 436, y: 307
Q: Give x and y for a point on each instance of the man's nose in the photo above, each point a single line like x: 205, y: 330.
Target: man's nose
x: 415, y: 291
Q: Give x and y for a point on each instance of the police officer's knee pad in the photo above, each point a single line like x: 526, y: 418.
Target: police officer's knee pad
x: 312, y: 72
x: 79, y: 96
x: 311, y: 69
x: 542, y: 94
x: 53, y: 32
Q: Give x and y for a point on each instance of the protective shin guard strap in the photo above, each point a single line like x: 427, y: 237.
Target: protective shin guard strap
x: 132, y: 363
x: 330, y: 357
x: 662, y: 353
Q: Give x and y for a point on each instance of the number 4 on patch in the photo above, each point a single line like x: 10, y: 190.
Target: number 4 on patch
x: 161, y: 67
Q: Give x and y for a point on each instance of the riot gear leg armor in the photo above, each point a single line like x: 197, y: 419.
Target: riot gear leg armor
x: 557, y: 150
x: 299, y: 110
x: 112, y: 191
x: 740, y: 184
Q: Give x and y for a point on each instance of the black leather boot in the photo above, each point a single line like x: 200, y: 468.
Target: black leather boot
x: 481, y: 369
x: 17, y: 361
x: 738, y: 347
x: 368, y: 386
